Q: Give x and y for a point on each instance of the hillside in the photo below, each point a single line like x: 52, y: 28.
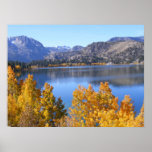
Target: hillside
x: 25, y: 49
x: 116, y: 39
x: 116, y: 50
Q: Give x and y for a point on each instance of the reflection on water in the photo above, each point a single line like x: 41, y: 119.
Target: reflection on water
x: 123, y: 79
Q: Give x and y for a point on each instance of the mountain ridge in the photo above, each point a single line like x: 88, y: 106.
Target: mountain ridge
x: 116, y: 50
x: 139, y: 39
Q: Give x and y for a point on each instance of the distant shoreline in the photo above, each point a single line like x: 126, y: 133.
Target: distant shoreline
x: 19, y: 67
x: 35, y: 67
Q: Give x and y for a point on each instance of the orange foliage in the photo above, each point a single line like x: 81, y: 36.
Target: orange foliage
x: 30, y: 107
x: 101, y: 109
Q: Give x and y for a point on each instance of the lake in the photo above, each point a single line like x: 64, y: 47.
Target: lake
x: 123, y: 80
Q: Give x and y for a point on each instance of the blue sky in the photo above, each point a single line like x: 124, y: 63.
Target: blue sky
x: 70, y: 35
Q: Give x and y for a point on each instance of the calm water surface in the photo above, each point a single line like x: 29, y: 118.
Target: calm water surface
x: 123, y: 80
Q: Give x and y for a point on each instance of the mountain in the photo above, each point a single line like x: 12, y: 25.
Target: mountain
x: 65, y: 48
x: 25, y: 49
x: 59, y: 49
x: 77, y: 48
x: 116, y: 39
x: 108, y: 52
x: 116, y: 50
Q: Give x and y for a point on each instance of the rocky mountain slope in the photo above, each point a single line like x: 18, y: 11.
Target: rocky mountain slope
x: 116, y: 39
x: 108, y: 52
x: 116, y: 50
x: 25, y: 49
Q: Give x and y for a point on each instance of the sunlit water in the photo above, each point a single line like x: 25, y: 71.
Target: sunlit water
x: 123, y: 80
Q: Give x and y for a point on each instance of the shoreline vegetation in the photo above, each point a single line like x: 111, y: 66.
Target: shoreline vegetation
x: 31, y: 107
x: 81, y: 64
x: 21, y: 66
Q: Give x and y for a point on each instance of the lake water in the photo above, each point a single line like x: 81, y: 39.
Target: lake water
x: 123, y: 80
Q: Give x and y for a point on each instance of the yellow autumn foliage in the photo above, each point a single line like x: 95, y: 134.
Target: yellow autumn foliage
x: 28, y: 107
x: 17, y: 67
x: 101, y: 109
x: 31, y: 107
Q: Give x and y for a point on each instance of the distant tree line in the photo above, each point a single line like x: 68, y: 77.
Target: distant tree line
x: 20, y: 66
x: 84, y: 60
